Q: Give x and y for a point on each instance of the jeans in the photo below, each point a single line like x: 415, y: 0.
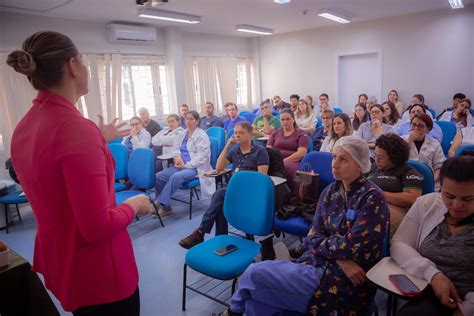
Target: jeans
x: 272, y: 287
x: 215, y: 213
x: 169, y: 180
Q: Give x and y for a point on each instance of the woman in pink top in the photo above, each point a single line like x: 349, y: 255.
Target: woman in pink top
x: 82, y: 245
x: 291, y: 141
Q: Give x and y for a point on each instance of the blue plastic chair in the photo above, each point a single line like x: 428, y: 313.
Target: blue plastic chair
x: 219, y: 134
x: 426, y: 172
x: 319, y: 122
x: 242, y: 113
x: 432, y: 112
x: 337, y: 110
x: 463, y: 148
x: 310, y: 145
x: 249, y: 117
x: 249, y: 207
x: 449, y: 131
x: 116, y: 140
x: 12, y: 198
x: 255, y: 111
x: 192, y: 184
x: 141, y: 173
x: 319, y: 162
x: 229, y: 135
x: 120, y: 154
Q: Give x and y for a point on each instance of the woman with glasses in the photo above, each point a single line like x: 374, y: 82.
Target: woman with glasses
x: 370, y: 131
x: 139, y: 137
x: 322, y: 132
x: 423, y: 148
x: 192, y: 154
x: 341, y: 126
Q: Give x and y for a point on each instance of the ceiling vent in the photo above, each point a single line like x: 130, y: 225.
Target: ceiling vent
x: 131, y: 34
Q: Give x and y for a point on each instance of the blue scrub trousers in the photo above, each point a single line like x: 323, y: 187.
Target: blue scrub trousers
x: 168, y: 181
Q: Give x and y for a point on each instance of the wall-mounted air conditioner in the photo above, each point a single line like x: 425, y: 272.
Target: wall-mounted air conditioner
x: 130, y: 34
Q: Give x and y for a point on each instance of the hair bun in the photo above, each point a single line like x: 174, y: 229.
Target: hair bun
x: 22, y: 62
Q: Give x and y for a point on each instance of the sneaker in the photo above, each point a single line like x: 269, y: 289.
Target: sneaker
x: 165, y: 210
x: 192, y: 240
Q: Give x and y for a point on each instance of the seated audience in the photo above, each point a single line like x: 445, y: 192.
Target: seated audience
x: 309, y: 101
x: 362, y: 98
x: 371, y: 101
x: 191, y: 153
x: 305, y: 119
x: 423, y: 148
x: 460, y: 115
x: 294, y: 99
x: 265, y: 124
x: 393, y: 97
x: 464, y: 137
x: 210, y: 119
x: 345, y: 241
x: 168, y: 136
x: 184, y: 110
x: 323, y: 104
x: 279, y: 105
x: 456, y: 98
x: 322, y: 132
x: 139, y: 136
x: 341, y: 126
x: 435, y: 242
x: 225, y: 116
x: 391, y: 115
x: 401, y: 183
x: 370, y: 131
x: 246, y: 156
x: 151, y: 126
x: 234, y: 117
x: 291, y: 141
x: 361, y: 115
x: 405, y: 127
x: 416, y: 99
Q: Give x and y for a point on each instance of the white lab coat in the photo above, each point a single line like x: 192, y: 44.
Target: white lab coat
x: 430, y: 153
x: 166, y: 138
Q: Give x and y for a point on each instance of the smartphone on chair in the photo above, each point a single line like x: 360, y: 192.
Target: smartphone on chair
x: 225, y: 250
x: 404, y: 285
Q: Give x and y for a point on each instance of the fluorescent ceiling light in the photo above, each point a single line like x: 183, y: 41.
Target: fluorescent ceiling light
x: 331, y: 15
x: 168, y: 16
x: 456, y: 4
x: 253, y: 29
x: 282, y: 1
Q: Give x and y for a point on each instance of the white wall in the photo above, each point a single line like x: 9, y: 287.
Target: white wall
x: 429, y: 53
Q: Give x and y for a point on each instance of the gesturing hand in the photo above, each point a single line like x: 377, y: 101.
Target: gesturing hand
x: 140, y: 204
x: 445, y: 291
x: 353, y: 271
x: 112, y: 130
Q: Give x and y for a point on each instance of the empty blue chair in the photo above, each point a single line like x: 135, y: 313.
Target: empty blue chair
x: 449, y: 131
x: 219, y: 134
x: 463, y: 148
x: 337, y: 110
x: 120, y: 154
x: 319, y: 162
x: 141, y: 173
x: 249, y: 117
x: 192, y: 184
x: 249, y: 207
x: 428, y: 181
x: 13, y: 197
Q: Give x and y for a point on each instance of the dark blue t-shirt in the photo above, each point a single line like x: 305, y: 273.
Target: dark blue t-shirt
x: 258, y: 156
x: 228, y: 124
x: 207, y: 122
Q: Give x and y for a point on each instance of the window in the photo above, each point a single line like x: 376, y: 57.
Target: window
x: 242, y: 86
x: 197, y: 91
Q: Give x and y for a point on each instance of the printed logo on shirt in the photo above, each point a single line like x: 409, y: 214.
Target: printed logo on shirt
x: 414, y: 177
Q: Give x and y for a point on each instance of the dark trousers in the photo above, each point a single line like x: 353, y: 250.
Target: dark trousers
x: 215, y: 213
x: 129, y: 306
x: 427, y: 304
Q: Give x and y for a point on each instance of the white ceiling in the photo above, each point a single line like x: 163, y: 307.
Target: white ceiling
x: 221, y: 16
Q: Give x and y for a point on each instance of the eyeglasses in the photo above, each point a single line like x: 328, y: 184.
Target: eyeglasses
x: 134, y: 124
x: 418, y: 126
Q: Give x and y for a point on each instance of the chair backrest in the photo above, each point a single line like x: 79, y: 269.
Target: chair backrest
x: 214, y: 151
x: 432, y: 112
x: 242, y: 113
x: 219, y: 134
x: 249, y: 203
x: 320, y: 162
x: 141, y: 168
x: 449, y: 131
x: 229, y: 135
x: 116, y: 140
x: 120, y: 154
x: 337, y: 110
x: 319, y: 122
x: 427, y: 173
x: 249, y: 117
x: 310, y: 144
x: 464, y: 148
x: 255, y: 111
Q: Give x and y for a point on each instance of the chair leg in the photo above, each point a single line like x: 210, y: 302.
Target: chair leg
x: 234, y: 283
x: 183, y: 304
x: 18, y: 212
x: 190, y: 203
x: 158, y: 213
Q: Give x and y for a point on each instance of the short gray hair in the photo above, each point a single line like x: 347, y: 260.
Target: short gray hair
x: 143, y: 110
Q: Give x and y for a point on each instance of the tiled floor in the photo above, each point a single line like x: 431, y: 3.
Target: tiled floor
x: 159, y: 258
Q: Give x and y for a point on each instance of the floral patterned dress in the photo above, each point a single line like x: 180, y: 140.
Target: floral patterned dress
x: 347, y: 225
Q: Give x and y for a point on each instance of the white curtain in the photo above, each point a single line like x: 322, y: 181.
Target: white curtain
x: 227, y: 78
x: 190, y: 82
x: 16, y: 96
x: 208, y: 81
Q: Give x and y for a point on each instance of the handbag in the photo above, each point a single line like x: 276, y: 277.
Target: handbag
x: 306, y: 183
